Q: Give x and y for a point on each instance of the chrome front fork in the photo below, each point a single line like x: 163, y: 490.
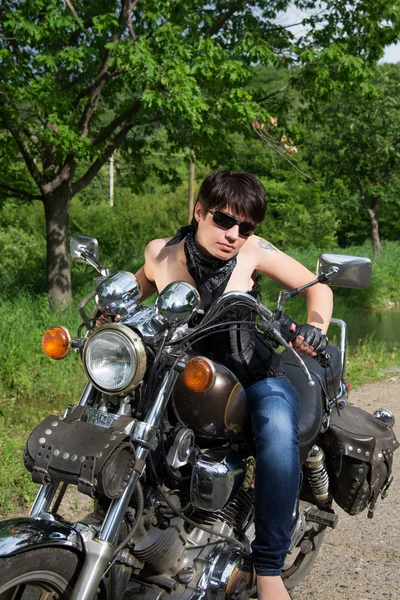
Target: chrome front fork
x: 99, y: 549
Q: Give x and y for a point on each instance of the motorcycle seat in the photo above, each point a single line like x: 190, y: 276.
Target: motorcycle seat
x: 312, y: 400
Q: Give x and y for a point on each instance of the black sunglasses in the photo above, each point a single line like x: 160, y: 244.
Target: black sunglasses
x: 227, y: 222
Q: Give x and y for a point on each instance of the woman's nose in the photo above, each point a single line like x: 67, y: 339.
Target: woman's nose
x: 233, y: 233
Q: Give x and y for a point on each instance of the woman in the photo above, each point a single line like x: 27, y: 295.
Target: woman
x: 220, y: 252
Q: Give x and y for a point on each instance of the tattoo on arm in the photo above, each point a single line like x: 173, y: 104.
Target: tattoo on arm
x: 266, y: 245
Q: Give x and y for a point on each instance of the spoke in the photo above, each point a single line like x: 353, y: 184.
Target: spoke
x: 18, y: 592
x: 46, y: 595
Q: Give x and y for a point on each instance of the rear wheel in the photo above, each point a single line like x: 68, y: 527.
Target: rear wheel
x: 41, y: 574
x: 303, y: 563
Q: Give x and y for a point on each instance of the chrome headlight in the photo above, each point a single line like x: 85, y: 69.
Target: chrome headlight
x: 177, y: 302
x: 118, y: 294
x: 115, y: 359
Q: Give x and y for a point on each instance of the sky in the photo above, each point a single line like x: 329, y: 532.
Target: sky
x: 392, y: 54
x: 294, y: 15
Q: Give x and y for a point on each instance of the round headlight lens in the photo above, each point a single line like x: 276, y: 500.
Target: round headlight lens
x: 115, y: 359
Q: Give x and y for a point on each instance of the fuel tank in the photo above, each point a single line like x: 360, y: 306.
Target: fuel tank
x: 219, y: 412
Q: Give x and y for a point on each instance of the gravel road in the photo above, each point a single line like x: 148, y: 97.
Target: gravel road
x: 360, y: 559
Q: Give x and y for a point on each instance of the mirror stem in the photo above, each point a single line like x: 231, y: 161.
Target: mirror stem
x: 283, y: 295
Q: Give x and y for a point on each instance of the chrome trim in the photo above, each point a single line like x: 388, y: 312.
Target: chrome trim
x: 147, y: 323
x: 219, y: 577
x: 43, y: 499
x: 340, y: 399
x: 145, y: 434
x: 385, y: 416
x: 119, y: 294
x: 80, y: 246
x: 156, y: 411
x: 181, y: 448
x: 21, y: 534
x: 343, y: 342
x: 84, y: 249
x: 97, y: 556
x: 99, y: 551
x: 177, y: 302
x: 88, y: 389
x: 217, y: 474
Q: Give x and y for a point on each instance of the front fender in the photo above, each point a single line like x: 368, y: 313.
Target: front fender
x: 25, y: 533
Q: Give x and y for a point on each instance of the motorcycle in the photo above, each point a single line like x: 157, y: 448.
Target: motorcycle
x: 158, y: 440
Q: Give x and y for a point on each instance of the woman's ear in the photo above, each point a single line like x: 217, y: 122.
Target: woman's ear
x: 197, y: 213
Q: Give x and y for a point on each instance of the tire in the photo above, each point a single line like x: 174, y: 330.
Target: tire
x: 39, y: 574
x: 303, y: 563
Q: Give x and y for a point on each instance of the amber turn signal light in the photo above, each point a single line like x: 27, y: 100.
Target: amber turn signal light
x: 198, y: 374
x: 56, y: 342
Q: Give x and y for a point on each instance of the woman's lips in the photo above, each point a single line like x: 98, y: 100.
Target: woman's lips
x: 226, y: 247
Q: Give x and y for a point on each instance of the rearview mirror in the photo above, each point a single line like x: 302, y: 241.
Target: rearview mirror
x: 353, y: 271
x: 82, y: 247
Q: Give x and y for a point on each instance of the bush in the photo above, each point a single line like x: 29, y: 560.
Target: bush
x: 22, y: 260
x: 27, y: 373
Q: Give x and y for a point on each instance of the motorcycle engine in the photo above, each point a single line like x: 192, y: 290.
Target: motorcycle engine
x: 188, y: 561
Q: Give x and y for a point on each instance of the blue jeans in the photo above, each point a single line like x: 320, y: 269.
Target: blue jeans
x: 275, y: 413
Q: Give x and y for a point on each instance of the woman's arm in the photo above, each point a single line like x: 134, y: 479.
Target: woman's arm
x: 289, y: 273
x: 148, y: 287
x: 147, y: 273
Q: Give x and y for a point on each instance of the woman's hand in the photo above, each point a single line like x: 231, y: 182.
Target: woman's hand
x: 310, y: 340
x: 103, y: 319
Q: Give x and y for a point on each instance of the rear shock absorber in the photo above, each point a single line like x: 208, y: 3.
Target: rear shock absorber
x: 318, y: 475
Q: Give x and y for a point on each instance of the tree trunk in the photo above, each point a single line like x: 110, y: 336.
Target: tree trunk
x: 191, y: 187
x: 56, y: 208
x: 376, y: 241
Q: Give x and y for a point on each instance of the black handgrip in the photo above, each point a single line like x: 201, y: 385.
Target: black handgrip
x: 288, y: 328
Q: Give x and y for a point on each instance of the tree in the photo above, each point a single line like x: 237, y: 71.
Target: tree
x: 80, y: 79
x: 359, y: 143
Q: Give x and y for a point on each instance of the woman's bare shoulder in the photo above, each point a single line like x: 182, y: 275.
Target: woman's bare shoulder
x: 258, y: 248
x: 155, y: 248
x: 262, y: 245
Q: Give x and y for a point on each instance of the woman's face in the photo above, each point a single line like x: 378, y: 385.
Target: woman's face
x: 215, y: 241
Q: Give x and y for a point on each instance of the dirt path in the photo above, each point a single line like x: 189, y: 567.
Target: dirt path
x: 360, y: 559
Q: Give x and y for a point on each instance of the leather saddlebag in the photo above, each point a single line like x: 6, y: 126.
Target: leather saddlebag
x: 99, y: 461
x: 359, y: 452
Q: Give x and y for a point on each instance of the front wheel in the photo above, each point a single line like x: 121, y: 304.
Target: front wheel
x: 39, y: 574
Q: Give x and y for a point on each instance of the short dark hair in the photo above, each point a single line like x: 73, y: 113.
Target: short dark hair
x: 243, y: 193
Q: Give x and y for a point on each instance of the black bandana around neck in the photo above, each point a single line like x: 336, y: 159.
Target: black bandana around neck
x: 210, y: 275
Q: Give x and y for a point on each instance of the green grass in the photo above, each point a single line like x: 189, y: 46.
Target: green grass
x: 27, y: 373
x: 16, y: 487
x: 371, y: 361
x: 31, y: 386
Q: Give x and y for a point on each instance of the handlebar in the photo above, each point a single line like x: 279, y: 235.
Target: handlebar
x: 268, y: 322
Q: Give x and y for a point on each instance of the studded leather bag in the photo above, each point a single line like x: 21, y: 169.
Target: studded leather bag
x: 359, y: 450
x: 98, y: 460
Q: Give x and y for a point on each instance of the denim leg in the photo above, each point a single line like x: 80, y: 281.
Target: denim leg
x: 275, y: 413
